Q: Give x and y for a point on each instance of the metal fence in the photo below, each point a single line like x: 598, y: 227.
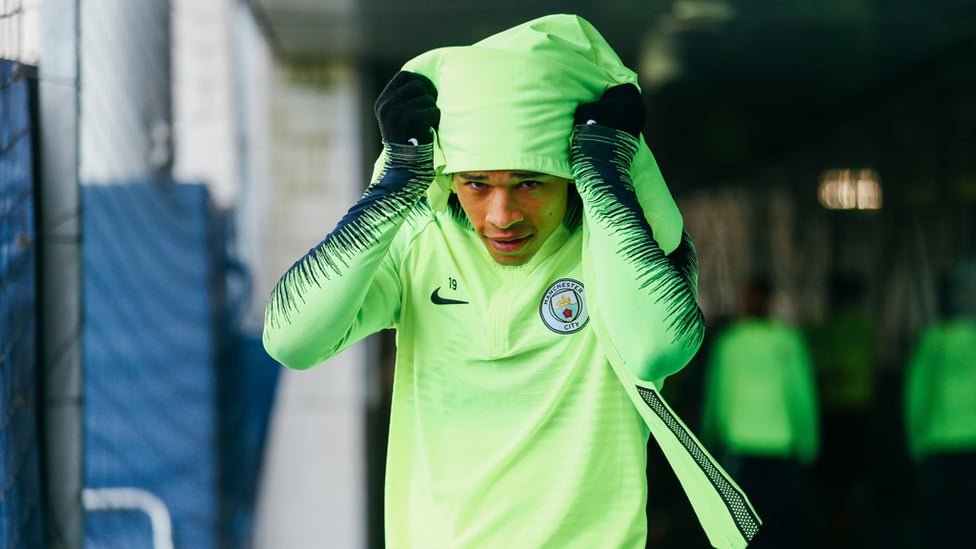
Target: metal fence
x: 169, y: 399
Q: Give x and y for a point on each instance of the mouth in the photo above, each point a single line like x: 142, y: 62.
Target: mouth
x: 508, y: 244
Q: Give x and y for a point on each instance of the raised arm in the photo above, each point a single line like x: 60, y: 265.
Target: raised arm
x: 347, y: 286
x: 644, y: 302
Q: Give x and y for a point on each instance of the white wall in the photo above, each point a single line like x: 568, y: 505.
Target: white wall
x: 20, y: 31
x: 206, y: 96
x: 125, y: 64
x: 281, y: 145
x: 313, y: 488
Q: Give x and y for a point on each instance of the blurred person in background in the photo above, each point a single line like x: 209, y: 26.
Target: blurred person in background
x: 761, y: 414
x: 844, y: 348
x: 940, y: 413
x: 519, y: 237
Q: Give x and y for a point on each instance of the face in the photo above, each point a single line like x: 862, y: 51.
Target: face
x: 513, y: 212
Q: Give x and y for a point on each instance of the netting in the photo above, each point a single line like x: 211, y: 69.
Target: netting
x: 176, y: 398
x: 20, y: 514
x: 150, y: 341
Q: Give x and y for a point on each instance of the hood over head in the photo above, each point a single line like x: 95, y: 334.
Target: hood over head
x: 507, y: 103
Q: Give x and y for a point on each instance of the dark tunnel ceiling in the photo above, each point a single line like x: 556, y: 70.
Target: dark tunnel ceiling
x: 751, y: 71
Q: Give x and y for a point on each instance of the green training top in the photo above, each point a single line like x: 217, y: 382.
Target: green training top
x: 940, y: 390
x: 760, y: 392
x: 511, y: 426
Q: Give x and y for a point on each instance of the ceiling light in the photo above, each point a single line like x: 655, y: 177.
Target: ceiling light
x: 850, y: 189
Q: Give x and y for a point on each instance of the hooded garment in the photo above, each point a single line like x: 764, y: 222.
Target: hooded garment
x: 508, y: 102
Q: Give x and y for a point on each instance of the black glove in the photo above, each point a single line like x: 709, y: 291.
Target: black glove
x: 620, y: 107
x: 406, y: 109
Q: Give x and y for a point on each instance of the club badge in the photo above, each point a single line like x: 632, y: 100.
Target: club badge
x: 563, y: 307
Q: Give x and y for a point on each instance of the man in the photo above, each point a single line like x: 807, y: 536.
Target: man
x: 504, y: 238
x: 761, y: 410
x: 940, y: 411
x: 844, y: 348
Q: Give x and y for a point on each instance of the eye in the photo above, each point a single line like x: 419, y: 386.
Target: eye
x: 475, y: 185
x: 530, y: 184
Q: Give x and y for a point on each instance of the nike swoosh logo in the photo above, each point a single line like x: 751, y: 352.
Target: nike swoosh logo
x: 436, y: 299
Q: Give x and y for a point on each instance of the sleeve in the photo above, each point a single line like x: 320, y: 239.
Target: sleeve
x: 803, y: 400
x: 644, y: 303
x: 347, y: 287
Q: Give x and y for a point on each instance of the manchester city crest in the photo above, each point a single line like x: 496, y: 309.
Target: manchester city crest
x: 563, y: 307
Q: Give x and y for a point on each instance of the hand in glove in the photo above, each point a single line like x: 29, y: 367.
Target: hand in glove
x: 620, y: 107
x: 605, y: 140
x: 406, y: 109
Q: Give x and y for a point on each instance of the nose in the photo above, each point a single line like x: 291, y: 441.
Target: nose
x: 503, y: 211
